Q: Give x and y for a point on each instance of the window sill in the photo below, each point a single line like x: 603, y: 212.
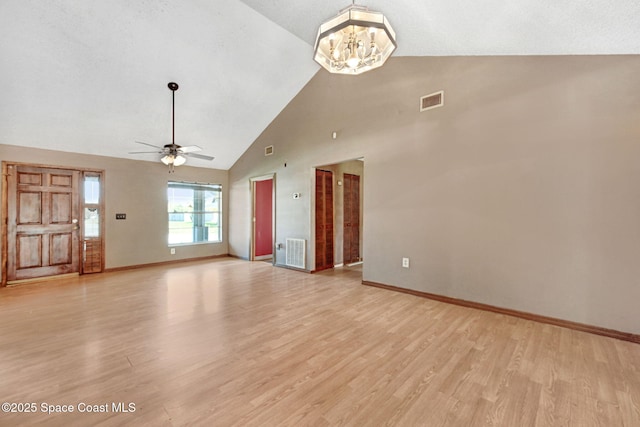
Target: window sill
x: 174, y: 245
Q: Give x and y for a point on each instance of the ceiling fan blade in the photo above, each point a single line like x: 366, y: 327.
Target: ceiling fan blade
x: 199, y: 156
x: 150, y: 145
x: 190, y: 149
x: 146, y: 152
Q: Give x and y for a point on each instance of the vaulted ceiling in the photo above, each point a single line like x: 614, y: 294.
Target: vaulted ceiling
x: 90, y: 76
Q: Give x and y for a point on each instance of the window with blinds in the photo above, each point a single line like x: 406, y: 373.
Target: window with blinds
x: 194, y: 212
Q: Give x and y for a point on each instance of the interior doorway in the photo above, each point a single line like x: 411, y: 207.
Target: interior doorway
x: 346, y: 210
x: 263, y: 209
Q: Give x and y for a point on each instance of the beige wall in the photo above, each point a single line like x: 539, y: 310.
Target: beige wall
x: 139, y: 189
x: 522, y: 192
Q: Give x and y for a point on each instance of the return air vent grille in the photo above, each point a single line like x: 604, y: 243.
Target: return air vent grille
x: 268, y: 150
x: 433, y: 100
x: 295, y: 251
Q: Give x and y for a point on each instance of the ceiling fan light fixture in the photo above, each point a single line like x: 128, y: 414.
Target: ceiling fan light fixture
x: 168, y: 159
x: 355, y: 41
x: 172, y: 159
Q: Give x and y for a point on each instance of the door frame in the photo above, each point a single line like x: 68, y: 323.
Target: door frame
x: 252, y: 243
x: 313, y: 207
x: 4, y: 212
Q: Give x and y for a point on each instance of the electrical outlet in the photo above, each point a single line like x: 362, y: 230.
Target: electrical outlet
x: 173, y: 251
x: 405, y: 262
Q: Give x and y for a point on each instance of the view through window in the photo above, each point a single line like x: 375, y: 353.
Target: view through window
x: 91, y: 205
x: 194, y: 212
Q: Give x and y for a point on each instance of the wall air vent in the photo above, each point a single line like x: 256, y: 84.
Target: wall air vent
x: 295, y: 251
x: 433, y: 100
x: 268, y: 150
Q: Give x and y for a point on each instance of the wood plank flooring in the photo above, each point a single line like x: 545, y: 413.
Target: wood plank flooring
x: 234, y: 343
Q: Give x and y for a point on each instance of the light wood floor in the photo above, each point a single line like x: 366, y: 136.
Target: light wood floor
x: 228, y: 342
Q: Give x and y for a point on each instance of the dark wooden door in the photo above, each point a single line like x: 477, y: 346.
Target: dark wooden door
x: 324, y: 219
x: 351, y: 242
x: 42, y: 222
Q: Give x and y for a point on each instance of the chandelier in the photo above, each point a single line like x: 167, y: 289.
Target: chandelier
x: 355, y: 41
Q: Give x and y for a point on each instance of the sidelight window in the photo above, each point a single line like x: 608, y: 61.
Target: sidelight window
x: 91, y: 205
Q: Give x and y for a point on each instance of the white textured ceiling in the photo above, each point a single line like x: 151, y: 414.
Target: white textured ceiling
x: 91, y: 76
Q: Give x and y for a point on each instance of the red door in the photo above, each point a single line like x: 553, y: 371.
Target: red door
x: 263, y: 231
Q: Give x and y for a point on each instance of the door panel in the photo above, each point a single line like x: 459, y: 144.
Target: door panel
x: 61, y: 180
x: 351, y: 218
x: 61, y: 249
x: 29, y: 208
x: 29, y: 251
x: 61, y: 208
x: 324, y: 219
x: 42, y: 226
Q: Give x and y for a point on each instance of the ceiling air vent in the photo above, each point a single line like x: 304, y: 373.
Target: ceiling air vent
x: 433, y: 100
x: 268, y: 150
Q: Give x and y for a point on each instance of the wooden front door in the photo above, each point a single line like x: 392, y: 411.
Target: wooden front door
x: 42, y: 222
x: 351, y: 241
x: 324, y: 219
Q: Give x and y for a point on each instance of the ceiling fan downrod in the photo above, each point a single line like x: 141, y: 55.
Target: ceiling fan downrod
x: 174, y: 87
x: 173, y: 154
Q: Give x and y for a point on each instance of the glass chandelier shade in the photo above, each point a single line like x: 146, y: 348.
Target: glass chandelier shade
x: 355, y: 41
x: 173, y: 159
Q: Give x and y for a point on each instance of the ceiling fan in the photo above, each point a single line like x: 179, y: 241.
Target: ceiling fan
x: 174, y: 154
